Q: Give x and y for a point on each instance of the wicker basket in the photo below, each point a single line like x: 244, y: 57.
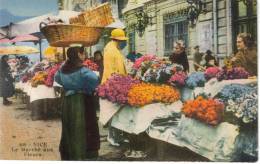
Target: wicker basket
x: 99, y: 16
x: 64, y: 35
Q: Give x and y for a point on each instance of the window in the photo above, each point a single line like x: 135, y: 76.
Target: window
x: 245, y: 19
x: 175, y: 28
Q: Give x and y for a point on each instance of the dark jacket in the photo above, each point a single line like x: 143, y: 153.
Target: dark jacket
x: 208, y: 58
x: 181, y: 59
x: 197, y: 57
x: 247, y: 59
x: 100, y: 68
x: 6, y: 80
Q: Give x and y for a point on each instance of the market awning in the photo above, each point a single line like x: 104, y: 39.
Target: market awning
x: 25, y: 38
x: 17, y: 50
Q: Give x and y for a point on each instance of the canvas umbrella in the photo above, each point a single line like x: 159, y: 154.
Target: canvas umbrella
x: 5, y: 40
x: 17, y: 50
x: 25, y: 38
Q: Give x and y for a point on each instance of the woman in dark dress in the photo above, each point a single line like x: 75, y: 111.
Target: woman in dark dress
x: 210, y: 60
x: 179, y: 55
x: 80, y: 134
x: 6, y: 81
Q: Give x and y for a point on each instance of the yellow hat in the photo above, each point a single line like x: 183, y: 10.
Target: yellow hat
x: 118, y: 34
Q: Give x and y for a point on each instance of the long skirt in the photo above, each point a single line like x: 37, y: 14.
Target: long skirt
x: 6, y: 88
x: 80, y: 138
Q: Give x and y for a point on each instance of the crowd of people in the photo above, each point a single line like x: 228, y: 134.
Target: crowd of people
x: 80, y: 135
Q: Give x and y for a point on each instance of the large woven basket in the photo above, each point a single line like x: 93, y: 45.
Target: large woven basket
x: 64, y: 35
x: 99, y: 16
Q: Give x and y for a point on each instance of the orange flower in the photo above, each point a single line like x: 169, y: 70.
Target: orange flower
x: 206, y: 110
x: 142, y: 94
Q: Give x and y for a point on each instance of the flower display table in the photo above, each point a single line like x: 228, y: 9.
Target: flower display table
x: 224, y: 142
x: 42, y: 100
x: 137, y: 119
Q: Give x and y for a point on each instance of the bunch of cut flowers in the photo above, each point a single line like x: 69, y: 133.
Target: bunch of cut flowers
x: 233, y: 73
x: 51, y: 72
x: 178, y: 79
x: 233, y: 91
x: 145, y: 93
x: 241, y: 102
x: 196, y: 79
x: 211, y: 72
x: 116, y: 88
x: 39, y: 78
x: 90, y: 65
x: 244, y: 108
x: 146, y: 58
x: 209, y: 111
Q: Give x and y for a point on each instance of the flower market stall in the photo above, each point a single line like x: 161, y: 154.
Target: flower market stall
x: 37, y: 85
x: 212, y: 113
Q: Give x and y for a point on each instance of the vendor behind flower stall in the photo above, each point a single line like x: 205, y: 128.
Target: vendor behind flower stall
x: 179, y: 55
x: 113, y: 57
x: 247, y: 54
x: 80, y: 134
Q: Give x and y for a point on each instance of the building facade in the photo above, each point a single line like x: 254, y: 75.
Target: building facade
x: 215, y: 29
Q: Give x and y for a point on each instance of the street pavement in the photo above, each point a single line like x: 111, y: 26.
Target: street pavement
x: 22, y: 138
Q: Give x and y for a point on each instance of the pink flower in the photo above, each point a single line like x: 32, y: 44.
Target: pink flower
x: 142, y: 59
x: 116, y: 88
x: 178, y: 79
x: 212, y: 72
x: 90, y: 65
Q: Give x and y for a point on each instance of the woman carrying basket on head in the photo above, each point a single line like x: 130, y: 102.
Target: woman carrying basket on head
x: 80, y: 133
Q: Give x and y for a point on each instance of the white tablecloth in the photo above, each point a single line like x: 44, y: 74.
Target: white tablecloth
x: 136, y: 120
x: 41, y: 92
x: 107, y: 110
x: 215, y: 143
x: 36, y: 93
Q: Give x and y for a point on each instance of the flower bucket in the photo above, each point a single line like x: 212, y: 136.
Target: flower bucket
x: 186, y: 94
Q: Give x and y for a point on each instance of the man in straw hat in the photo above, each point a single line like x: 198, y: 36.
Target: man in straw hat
x: 113, y: 58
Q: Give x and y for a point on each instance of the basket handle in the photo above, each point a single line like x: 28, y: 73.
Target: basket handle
x: 42, y: 25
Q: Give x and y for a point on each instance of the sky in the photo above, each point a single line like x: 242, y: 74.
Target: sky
x: 29, y: 7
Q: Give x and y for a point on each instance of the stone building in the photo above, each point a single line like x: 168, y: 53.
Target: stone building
x: 215, y: 29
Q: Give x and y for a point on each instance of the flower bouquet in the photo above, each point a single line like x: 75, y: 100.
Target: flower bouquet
x: 51, y: 72
x: 178, y: 79
x: 39, y: 78
x: 241, y: 103
x: 160, y: 71
x: 90, y: 65
x: 144, y: 93
x: 233, y: 73
x: 26, y: 77
x: 116, y: 88
x: 209, y: 111
x: 196, y: 79
x: 233, y: 91
x: 146, y: 58
x: 211, y: 72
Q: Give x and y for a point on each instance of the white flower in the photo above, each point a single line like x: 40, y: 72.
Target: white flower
x: 230, y: 108
x: 231, y: 102
x: 239, y: 114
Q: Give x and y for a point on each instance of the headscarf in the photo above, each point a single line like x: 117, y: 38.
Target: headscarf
x: 73, y: 62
